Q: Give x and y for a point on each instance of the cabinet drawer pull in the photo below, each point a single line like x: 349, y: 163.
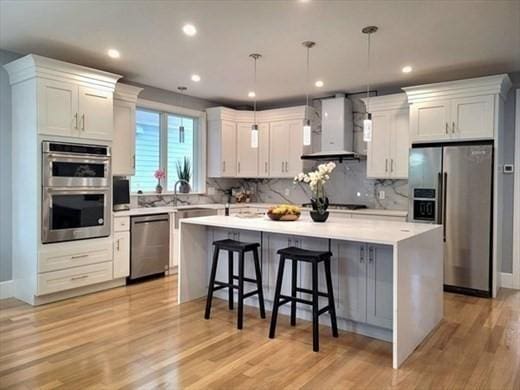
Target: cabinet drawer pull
x: 447, y: 131
x: 83, y: 122
x: 76, y: 120
x: 79, y: 277
x: 453, y: 128
x: 391, y: 165
x: 118, y: 244
x: 386, y: 165
x: 79, y: 256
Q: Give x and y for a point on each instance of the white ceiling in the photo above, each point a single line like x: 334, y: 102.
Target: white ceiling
x: 442, y: 40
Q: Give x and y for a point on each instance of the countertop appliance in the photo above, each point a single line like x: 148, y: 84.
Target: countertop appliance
x: 149, y: 245
x: 452, y: 185
x: 76, y: 191
x: 121, y: 191
x: 341, y: 206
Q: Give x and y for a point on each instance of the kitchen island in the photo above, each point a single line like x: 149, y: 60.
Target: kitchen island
x: 387, y: 276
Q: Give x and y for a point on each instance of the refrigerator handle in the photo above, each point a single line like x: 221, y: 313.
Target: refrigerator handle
x: 444, y: 203
x: 439, y: 198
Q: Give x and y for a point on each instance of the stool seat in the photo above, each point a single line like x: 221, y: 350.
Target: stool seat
x: 293, y: 252
x: 235, y: 246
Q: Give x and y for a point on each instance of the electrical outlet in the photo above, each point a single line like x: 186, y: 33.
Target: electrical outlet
x: 287, y: 192
x: 211, y: 190
x: 381, y: 195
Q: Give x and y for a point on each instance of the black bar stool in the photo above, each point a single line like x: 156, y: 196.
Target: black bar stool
x: 241, y: 248
x: 313, y: 257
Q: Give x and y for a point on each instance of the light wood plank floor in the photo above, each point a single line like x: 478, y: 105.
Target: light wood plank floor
x: 139, y: 337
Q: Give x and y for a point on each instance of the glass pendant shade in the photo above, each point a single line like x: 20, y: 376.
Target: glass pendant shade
x: 254, y: 136
x: 307, y: 132
x: 367, y: 128
x: 181, y: 134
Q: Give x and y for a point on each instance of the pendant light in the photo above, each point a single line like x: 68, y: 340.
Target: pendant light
x: 181, y: 127
x: 254, y: 127
x: 307, y: 131
x: 367, y: 123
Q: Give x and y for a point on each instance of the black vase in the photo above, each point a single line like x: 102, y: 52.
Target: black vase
x: 319, y: 216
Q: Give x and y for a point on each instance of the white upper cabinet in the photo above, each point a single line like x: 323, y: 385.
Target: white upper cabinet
x: 280, y: 143
x: 456, y: 110
x: 387, y: 152
x: 72, y: 100
x: 96, y: 110
x: 123, y: 145
x: 247, y: 156
x: 57, y: 108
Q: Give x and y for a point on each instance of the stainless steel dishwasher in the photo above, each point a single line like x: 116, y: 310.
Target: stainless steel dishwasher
x: 150, y: 245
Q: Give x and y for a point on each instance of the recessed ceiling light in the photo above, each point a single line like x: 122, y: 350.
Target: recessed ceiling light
x: 113, y: 53
x: 195, y: 77
x: 319, y: 83
x: 251, y: 94
x: 189, y: 29
x: 406, y: 69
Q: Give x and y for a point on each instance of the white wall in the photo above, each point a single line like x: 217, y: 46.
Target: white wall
x: 5, y: 167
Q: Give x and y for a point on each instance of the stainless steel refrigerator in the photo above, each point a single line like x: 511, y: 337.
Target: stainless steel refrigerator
x: 452, y: 185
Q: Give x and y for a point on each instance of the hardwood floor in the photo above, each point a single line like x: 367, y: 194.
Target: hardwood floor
x: 139, y: 337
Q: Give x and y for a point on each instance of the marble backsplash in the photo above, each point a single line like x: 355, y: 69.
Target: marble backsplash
x: 348, y: 183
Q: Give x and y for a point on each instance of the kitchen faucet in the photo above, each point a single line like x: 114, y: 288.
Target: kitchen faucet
x: 175, y: 188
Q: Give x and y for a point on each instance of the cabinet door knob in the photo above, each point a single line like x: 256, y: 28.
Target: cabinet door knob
x: 362, y: 254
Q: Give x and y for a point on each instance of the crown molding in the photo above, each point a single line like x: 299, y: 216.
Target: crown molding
x: 271, y: 115
x: 34, y: 66
x: 488, y: 85
x: 126, y: 92
x: 396, y: 101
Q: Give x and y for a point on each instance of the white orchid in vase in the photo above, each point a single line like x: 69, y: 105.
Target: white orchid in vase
x: 316, y: 181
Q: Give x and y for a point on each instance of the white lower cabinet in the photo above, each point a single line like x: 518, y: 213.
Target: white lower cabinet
x: 121, y: 254
x: 56, y: 281
x: 365, y: 283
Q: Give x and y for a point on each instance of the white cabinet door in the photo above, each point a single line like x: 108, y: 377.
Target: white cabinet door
x: 379, y: 286
x: 279, y: 148
x: 121, y: 254
x: 96, y: 111
x: 247, y: 157
x: 58, y: 108
x: 294, y: 164
x: 378, y: 151
x: 263, y: 150
x: 352, y: 276
x: 429, y: 121
x: 228, y: 149
x: 399, y: 145
x: 123, y: 145
x: 472, y: 117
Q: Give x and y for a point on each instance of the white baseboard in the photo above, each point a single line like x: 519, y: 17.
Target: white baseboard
x: 506, y: 280
x: 6, y: 289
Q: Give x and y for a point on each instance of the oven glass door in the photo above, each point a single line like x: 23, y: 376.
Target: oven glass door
x: 75, y: 214
x: 75, y: 171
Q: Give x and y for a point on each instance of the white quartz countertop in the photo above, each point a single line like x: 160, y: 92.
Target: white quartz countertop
x: 360, y: 230
x: 219, y: 206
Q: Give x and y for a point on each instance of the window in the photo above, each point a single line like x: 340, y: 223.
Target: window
x: 159, y: 143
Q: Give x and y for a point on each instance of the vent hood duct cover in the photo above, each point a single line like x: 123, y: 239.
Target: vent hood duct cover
x: 337, y: 132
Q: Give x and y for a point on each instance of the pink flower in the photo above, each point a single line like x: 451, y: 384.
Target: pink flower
x: 160, y: 174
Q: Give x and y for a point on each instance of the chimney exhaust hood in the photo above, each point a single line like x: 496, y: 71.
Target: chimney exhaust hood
x: 337, y: 132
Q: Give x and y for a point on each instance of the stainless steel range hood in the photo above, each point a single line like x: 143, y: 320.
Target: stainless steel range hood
x: 337, y: 132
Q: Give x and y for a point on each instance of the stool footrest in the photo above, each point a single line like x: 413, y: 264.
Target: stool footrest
x: 250, y: 293
x: 250, y: 280
x: 286, y: 298
x: 323, y: 310
x: 307, y: 291
x: 221, y: 285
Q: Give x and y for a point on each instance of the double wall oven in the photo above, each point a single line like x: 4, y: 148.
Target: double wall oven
x: 76, y: 191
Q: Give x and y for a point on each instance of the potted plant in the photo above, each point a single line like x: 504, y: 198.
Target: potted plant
x: 316, y: 181
x: 159, y: 175
x: 184, y: 174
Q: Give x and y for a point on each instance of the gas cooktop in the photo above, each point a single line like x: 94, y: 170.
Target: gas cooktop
x: 341, y: 206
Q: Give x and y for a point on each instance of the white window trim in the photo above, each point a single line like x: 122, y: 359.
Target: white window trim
x: 516, y: 197
x: 200, y: 149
